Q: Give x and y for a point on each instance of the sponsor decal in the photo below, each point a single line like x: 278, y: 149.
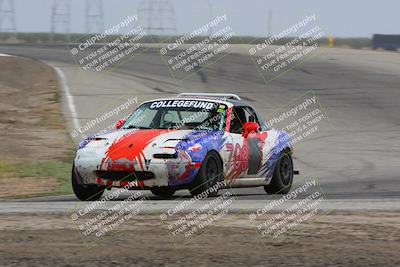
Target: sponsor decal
x: 221, y: 108
x: 183, y: 104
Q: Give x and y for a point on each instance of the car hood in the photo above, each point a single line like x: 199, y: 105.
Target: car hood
x: 139, y: 138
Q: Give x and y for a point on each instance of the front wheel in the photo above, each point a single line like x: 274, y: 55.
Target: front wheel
x: 282, y: 178
x: 86, y: 192
x: 163, y: 191
x: 210, y: 173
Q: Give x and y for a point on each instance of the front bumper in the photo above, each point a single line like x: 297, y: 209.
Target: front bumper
x: 157, y: 172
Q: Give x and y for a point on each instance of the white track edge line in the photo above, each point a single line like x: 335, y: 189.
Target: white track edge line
x: 68, y: 95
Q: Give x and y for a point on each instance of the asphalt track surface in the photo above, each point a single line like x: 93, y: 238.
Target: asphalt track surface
x: 359, y: 90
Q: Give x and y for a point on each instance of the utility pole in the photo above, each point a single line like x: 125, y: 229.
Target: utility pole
x: 157, y: 17
x: 7, y: 17
x: 210, y: 16
x: 94, y: 16
x: 60, y: 16
x: 269, y: 22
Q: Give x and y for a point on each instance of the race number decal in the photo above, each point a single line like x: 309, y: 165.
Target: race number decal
x: 239, y: 156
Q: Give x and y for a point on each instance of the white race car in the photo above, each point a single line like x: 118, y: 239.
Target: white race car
x: 192, y: 141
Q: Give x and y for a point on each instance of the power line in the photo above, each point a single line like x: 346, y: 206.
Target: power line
x: 60, y: 19
x: 94, y: 16
x: 157, y: 17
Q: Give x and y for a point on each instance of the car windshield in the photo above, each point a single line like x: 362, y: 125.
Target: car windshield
x: 178, y: 114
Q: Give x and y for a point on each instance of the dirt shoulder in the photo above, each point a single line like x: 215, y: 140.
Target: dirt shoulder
x: 36, y: 150
x: 357, y: 239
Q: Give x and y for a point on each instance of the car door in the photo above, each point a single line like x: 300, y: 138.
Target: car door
x: 235, y: 146
x: 256, y: 144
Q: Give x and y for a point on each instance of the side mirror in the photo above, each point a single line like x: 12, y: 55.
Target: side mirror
x: 250, y: 128
x: 119, y: 124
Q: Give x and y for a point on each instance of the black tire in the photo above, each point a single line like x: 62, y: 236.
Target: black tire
x: 282, y: 178
x: 163, y: 191
x: 87, y: 192
x: 210, y: 173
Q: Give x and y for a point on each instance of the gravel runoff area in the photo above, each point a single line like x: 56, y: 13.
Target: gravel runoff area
x: 35, y: 149
x: 336, y: 239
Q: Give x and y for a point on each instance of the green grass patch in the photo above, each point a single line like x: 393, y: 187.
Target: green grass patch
x: 42, y: 170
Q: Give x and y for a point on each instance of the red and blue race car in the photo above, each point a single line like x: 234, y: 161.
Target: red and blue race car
x: 193, y: 141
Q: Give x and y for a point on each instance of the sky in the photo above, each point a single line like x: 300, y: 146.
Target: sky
x: 340, y: 18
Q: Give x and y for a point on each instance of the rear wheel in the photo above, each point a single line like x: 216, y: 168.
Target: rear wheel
x: 283, y: 175
x: 210, y: 173
x: 86, y: 192
x: 163, y: 191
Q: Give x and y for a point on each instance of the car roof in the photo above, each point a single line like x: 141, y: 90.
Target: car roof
x: 238, y: 103
x: 234, y: 99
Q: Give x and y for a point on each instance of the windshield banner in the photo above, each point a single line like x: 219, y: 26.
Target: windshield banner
x: 183, y: 104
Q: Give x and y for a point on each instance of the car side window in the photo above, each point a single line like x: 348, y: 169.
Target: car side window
x: 251, y: 115
x: 238, y: 118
